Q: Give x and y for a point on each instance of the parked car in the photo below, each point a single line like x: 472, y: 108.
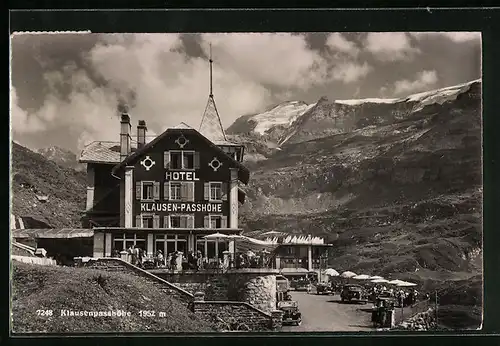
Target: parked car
x: 291, y: 313
x: 324, y: 288
x: 300, y: 285
x: 353, y: 293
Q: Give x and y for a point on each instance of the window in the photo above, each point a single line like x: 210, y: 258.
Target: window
x: 170, y: 243
x: 179, y: 221
x: 179, y: 191
x: 215, y: 191
x: 215, y: 221
x: 188, y: 160
x: 181, y: 159
x: 175, y: 191
x: 211, y: 248
x: 123, y: 241
x: 147, y: 191
x: 175, y: 221
x: 147, y: 221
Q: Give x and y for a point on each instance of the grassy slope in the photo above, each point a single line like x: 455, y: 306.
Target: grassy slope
x: 65, y: 188
x: 39, y: 287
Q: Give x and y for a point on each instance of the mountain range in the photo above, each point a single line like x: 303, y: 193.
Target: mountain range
x: 394, y: 184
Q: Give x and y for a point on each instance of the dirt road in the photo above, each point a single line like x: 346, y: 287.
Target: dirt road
x: 327, y: 313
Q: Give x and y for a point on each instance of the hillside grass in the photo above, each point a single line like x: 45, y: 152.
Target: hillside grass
x: 40, y: 287
x: 65, y: 188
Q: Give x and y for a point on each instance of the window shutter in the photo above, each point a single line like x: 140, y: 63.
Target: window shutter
x: 190, y: 221
x: 138, y: 220
x: 184, y: 191
x: 166, y: 191
x: 166, y: 159
x: 183, y: 221
x: 223, y: 222
x: 224, y: 191
x: 156, y: 221
x: 165, y: 221
x: 206, y: 222
x: 190, y: 191
x: 138, y: 194
x: 196, y: 160
x: 206, y: 191
x: 156, y: 190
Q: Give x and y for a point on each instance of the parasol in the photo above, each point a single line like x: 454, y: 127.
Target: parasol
x: 406, y: 284
x: 375, y: 277
x: 379, y: 281
x: 348, y: 274
x: 216, y: 236
x: 331, y: 272
x: 361, y: 277
x: 395, y: 282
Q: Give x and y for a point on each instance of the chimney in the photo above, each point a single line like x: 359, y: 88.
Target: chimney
x: 125, y: 138
x: 141, y: 133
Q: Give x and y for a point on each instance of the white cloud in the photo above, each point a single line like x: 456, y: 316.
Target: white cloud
x: 22, y: 121
x: 424, y: 80
x: 390, y: 46
x: 278, y: 59
x: 350, y: 72
x: 339, y: 43
x: 161, y: 84
x: 455, y: 36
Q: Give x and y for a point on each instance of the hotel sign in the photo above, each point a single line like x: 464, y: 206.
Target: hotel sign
x: 184, y: 176
x: 181, y: 207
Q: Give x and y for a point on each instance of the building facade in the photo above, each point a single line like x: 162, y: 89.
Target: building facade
x: 166, y: 194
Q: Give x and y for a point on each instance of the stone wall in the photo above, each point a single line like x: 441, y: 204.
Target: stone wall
x: 237, y: 316
x: 422, y: 321
x: 35, y: 260
x: 118, y: 265
x: 254, y: 286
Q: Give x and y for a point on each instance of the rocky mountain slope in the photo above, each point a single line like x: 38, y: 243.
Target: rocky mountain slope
x: 62, y: 157
x: 45, y: 191
x: 395, y: 184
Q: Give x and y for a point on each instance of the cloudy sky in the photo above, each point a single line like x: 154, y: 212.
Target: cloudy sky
x: 66, y: 87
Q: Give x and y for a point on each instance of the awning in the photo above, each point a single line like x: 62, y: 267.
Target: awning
x: 244, y: 244
x: 52, y: 233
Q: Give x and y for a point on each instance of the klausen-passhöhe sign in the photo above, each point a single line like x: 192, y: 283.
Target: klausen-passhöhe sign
x: 182, y: 207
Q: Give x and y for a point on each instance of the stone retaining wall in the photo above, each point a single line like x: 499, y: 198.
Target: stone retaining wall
x: 422, y: 321
x: 35, y: 260
x: 256, y: 287
x: 112, y: 264
x: 237, y: 316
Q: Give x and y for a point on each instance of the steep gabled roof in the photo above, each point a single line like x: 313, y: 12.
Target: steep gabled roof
x: 243, y: 172
x: 211, y: 125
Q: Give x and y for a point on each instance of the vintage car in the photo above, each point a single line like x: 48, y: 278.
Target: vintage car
x: 353, y: 293
x: 300, y: 285
x: 324, y: 288
x: 291, y: 313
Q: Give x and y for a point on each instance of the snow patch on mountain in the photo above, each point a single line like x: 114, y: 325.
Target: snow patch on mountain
x: 425, y: 98
x: 283, y: 114
x: 368, y: 100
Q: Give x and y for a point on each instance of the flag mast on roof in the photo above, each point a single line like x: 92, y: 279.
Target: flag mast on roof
x: 211, y: 125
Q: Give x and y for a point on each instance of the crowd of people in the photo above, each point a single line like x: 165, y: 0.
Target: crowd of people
x: 251, y: 259
x: 406, y: 297
x: 177, y: 260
